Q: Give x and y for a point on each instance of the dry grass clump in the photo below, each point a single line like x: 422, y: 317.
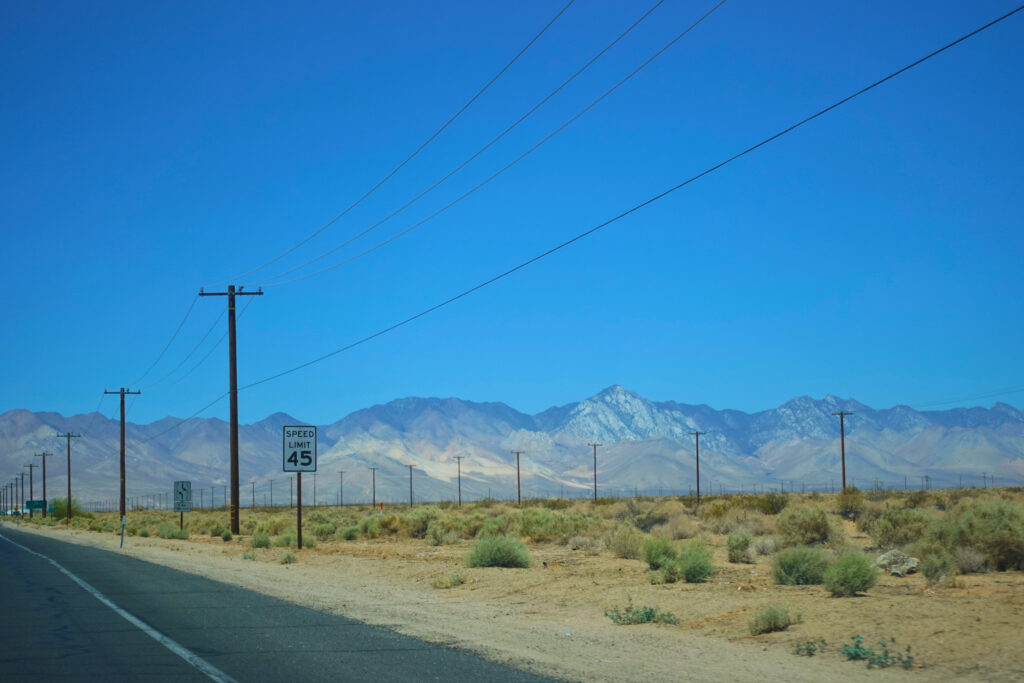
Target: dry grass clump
x: 807, y: 525
x: 626, y: 541
x: 677, y: 528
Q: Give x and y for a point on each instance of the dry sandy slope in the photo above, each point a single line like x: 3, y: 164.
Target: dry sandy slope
x: 550, y: 619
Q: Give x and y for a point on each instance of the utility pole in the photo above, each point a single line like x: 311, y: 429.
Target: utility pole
x: 410, y: 484
x: 69, y: 436
x: 697, y: 435
x: 291, y: 492
x: 44, y: 455
x: 314, y: 489
x: 458, y: 460
x: 519, y: 497
x: 21, y: 498
x: 373, y: 487
x: 842, y: 442
x: 595, y: 445
x: 341, y: 488
x: 233, y: 391
x: 31, y: 488
x: 122, y: 391
x: 253, y: 494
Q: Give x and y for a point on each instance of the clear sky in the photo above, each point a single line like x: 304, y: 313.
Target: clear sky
x: 150, y: 149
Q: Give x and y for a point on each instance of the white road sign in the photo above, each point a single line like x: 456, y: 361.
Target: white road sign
x: 183, y: 496
x: 299, y: 449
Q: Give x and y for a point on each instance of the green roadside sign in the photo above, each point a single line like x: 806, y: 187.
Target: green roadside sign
x: 36, y: 504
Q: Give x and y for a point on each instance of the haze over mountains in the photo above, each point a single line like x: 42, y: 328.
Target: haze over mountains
x: 645, y: 446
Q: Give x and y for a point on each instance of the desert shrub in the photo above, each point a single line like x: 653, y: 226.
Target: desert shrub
x: 419, y: 519
x: 286, y: 539
x: 260, y: 540
x: 766, y: 545
x: 216, y: 530
x: 370, y: 527
x: 498, y: 551
x: 555, y: 503
x: 994, y: 528
x: 739, y: 548
x: 324, y: 531
x: 499, y: 525
x: 733, y: 520
x: 800, y: 566
x: 647, y: 519
x: 169, y: 530
x: 854, y: 572
x: 937, y: 568
x: 390, y: 524
x: 771, y: 503
x: 850, y: 503
x: 806, y: 525
x: 897, y: 526
x: 677, y: 528
x: 659, y: 551
x: 694, y: 562
x: 438, y: 534
x: 639, y: 615
x: 289, y: 558
x: 544, y: 525
x: 969, y: 560
x: 916, y: 499
x: 871, y: 512
x: 60, y: 508
x: 144, y: 532
x: 225, y: 535
x: 626, y: 541
x: 448, y: 581
x: 272, y: 525
x: 348, y: 533
x: 771, y: 618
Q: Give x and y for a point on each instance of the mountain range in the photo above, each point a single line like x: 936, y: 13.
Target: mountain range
x: 644, y: 446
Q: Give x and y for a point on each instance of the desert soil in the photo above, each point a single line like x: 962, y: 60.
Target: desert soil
x: 550, y: 618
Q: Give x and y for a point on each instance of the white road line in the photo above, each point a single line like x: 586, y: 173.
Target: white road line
x: 195, y: 660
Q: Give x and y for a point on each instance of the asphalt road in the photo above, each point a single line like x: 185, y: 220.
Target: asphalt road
x: 52, y: 627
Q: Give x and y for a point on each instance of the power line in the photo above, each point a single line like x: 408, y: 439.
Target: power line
x: 512, y: 163
x: 194, y: 349
x: 974, y: 397
x: 169, y: 342
x: 419, y: 149
x: 476, y: 154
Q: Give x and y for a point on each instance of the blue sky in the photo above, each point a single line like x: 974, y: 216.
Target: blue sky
x: 151, y: 149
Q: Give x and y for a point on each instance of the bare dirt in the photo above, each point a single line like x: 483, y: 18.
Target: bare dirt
x: 550, y: 618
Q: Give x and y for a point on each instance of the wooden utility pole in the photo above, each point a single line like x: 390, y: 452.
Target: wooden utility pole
x: 233, y: 392
x: 410, y: 484
x: 31, y: 488
x: 122, y: 391
x: 458, y: 460
x: 373, y: 487
x: 69, y: 436
x: 291, y: 492
x: 519, y: 497
x: 341, y: 488
x: 697, y: 444
x: 842, y: 442
x: 595, y: 445
x: 298, y: 511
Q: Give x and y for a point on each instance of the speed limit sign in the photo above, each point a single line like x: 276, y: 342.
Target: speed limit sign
x: 299, y: 449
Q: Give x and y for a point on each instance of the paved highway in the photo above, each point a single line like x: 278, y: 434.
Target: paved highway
x: 103, y: 616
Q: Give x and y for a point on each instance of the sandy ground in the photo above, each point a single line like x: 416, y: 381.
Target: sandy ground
x: 550, y: 619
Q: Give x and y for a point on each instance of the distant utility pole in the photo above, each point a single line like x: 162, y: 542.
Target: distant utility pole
x: 341, y: 488
x: 44, y: 455
x: 373, y: 487
x: 842, y: 442
x: 410, y: 484
x: 458, y: 459
x: 697, y: 435
x: 253, y: 494
x: 21, y: 497
x: 595, y: 445
x: 69, y: 436
x: 519, y: 497
x: 233, y: 391
x: 31, y: 488
x: 122, y: 391
x: 271, y: 492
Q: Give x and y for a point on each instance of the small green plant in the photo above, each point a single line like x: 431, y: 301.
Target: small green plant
x: 144, y: 532
x: 639, y: 615
x: 225, y: 535
x: 248, y: 556
x: 323, y: 531
x: 936, y: 568
x: 809, y: 648
x: 169, y: 530
x: 216, y: 530
x: 852, y: 573
x: 626, y: 541
x: 881, y: 659
x: 498, y: 551
x: 659, y: 551
x: 897, y: 526
x: 260, y: 540
x: 772, y: 618
x: 448, y: 581
x: 289, y: 558
x: 349, y: 533
x: 806, y: 525
x: 850, y: 503
x: 694, y: 563
x: 739, y: 548
x: 800, y: 566
x: 771, y: 503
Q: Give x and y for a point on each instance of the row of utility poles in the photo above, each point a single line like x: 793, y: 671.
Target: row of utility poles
x: 12, y: 494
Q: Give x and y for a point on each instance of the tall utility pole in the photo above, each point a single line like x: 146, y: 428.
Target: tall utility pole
x: 341, y: 488
x: 842, y: 442
x: 21, y: 497
x: 233, y: 391
x: 291, y: 492
x: 44, y: 456
x: 519, y: 497
x: 595, y: 445
x: 314, y: 489
x: 697, y: 434
x: 374, y: 487
x: 410, y: 484
x: 69, y: 436
x: 31, y: 488
x: 271, y: 493
x: 458, y: 459
x: 122, y: 391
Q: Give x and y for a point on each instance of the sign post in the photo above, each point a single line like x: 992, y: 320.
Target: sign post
x: 298, y: 454
x: 182, y: 500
